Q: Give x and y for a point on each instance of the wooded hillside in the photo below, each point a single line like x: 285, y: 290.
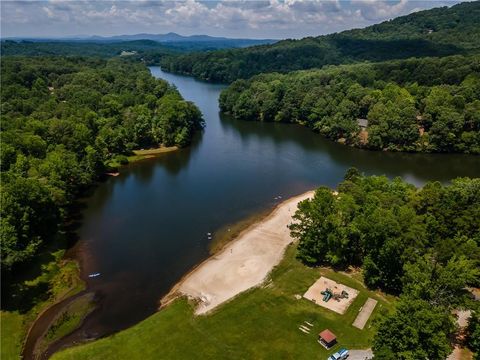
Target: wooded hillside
x: 63, y: 120
x: 421, y: 244
x: 437, y: 32
x: 429, y: 104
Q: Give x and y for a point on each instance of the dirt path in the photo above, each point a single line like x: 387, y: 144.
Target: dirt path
x: 243, y: 263
x: 42, y: 323
x: 459, y: 351
x: 360, y: 354
x: 365, y: 313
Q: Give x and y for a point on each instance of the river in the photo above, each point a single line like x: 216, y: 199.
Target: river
x: 143, y: 230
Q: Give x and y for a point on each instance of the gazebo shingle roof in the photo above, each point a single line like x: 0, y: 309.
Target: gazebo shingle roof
x: 327, y: 336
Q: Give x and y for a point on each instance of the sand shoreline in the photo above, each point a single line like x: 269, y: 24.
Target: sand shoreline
x: 242, y: 263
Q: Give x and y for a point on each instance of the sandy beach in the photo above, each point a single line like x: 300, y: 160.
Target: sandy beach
x: 241, y: 264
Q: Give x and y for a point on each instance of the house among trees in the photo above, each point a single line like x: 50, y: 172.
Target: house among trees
x: 327, y: 339
x: 363, y: 123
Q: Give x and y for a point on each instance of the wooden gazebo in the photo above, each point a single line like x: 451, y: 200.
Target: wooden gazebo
x: 327, y: 338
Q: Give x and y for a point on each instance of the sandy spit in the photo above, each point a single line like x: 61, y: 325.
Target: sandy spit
x: 242, y: 264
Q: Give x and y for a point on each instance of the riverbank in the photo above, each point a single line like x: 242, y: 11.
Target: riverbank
x: 121, y: 160
x: 226, y: 234
x: 260, y: 323
x: 243, y: 263
x: 169, y: 204
x: 67, y: 318
x: 58, y: 281
x: 64, y: 306
x: 253, y: 321
x: 150, y: 153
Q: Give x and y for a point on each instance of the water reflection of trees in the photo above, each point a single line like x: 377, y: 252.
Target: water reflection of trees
x: 173, y: 162
x: 415, y: 167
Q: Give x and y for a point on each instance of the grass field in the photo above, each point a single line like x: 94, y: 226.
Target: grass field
x: 121, y: 160
x: 11, y: 335
x: 149, y: 153
x: 261, y: 323
x: 62, y: 280
x: 68, y: 320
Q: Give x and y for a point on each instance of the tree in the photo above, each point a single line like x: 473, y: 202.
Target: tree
x: 439, y: 284
x: 63, y: 121
x: 473, y: 337
x: 352, y: 174
x: 311, y: 226
x: 406, y: 110
x: 402, y: 38
x: 422, y: 324
x: 29, y: 216
x: 416, y: 330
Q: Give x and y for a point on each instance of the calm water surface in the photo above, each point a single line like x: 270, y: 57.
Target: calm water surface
x: 147, y: 227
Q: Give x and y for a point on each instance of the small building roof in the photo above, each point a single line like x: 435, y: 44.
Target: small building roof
x: 327, y: 336
x: 362, y: 122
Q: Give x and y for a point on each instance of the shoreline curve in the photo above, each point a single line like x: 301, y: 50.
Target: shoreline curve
x: 241, y: 264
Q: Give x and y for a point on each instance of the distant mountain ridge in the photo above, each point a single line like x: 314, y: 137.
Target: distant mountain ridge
x: 147, y: 47
x: 170, y: 37
x: 174, y: 37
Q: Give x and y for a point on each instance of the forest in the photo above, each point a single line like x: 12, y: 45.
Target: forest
x: 421, y: 244
x: 63, y: 121
x: 145, y: 50
x: 425, y: 104
x: 73, y: 111
x: 436, y: 32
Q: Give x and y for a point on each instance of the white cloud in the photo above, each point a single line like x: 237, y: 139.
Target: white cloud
x: 49, y: 12
x: 381, y: 10
x: 273, y: 18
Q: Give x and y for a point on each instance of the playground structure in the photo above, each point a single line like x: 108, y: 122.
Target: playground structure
x: 330, y: 294
x: 324, y: 290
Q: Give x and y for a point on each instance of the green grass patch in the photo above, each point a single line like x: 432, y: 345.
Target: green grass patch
x: 62, y: 276
x: 12, y: 333
x: 68, y: 320
x: 150, y: 153
x: 60, y: 279
x: 261, y: 323
x: 121, y: 160
x: 159, y: 150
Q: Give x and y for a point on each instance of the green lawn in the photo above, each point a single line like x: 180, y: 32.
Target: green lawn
x: 121, y: 160
x: 11, y: 335
x: 150, y: 153
x: 259, y: 324
x: 58, y: 280
x: 68, y: 320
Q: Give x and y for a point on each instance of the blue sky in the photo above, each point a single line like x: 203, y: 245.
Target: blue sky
x: 239, y: 19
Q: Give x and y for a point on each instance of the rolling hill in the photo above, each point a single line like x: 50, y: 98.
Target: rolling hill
x: 436, y: 32
x: 149, y: 46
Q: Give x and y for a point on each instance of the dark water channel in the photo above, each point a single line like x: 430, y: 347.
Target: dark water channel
x: 147, y: 227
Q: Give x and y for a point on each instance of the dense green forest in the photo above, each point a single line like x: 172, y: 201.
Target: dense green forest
x: 437, y: 32
x: 423, y: 244
x: 426, y: 104
x: 73, y: 110
x: 62, y: 121
x: 148, y: 51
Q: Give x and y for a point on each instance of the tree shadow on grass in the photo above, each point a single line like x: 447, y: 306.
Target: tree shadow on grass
x: 26, y: 285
